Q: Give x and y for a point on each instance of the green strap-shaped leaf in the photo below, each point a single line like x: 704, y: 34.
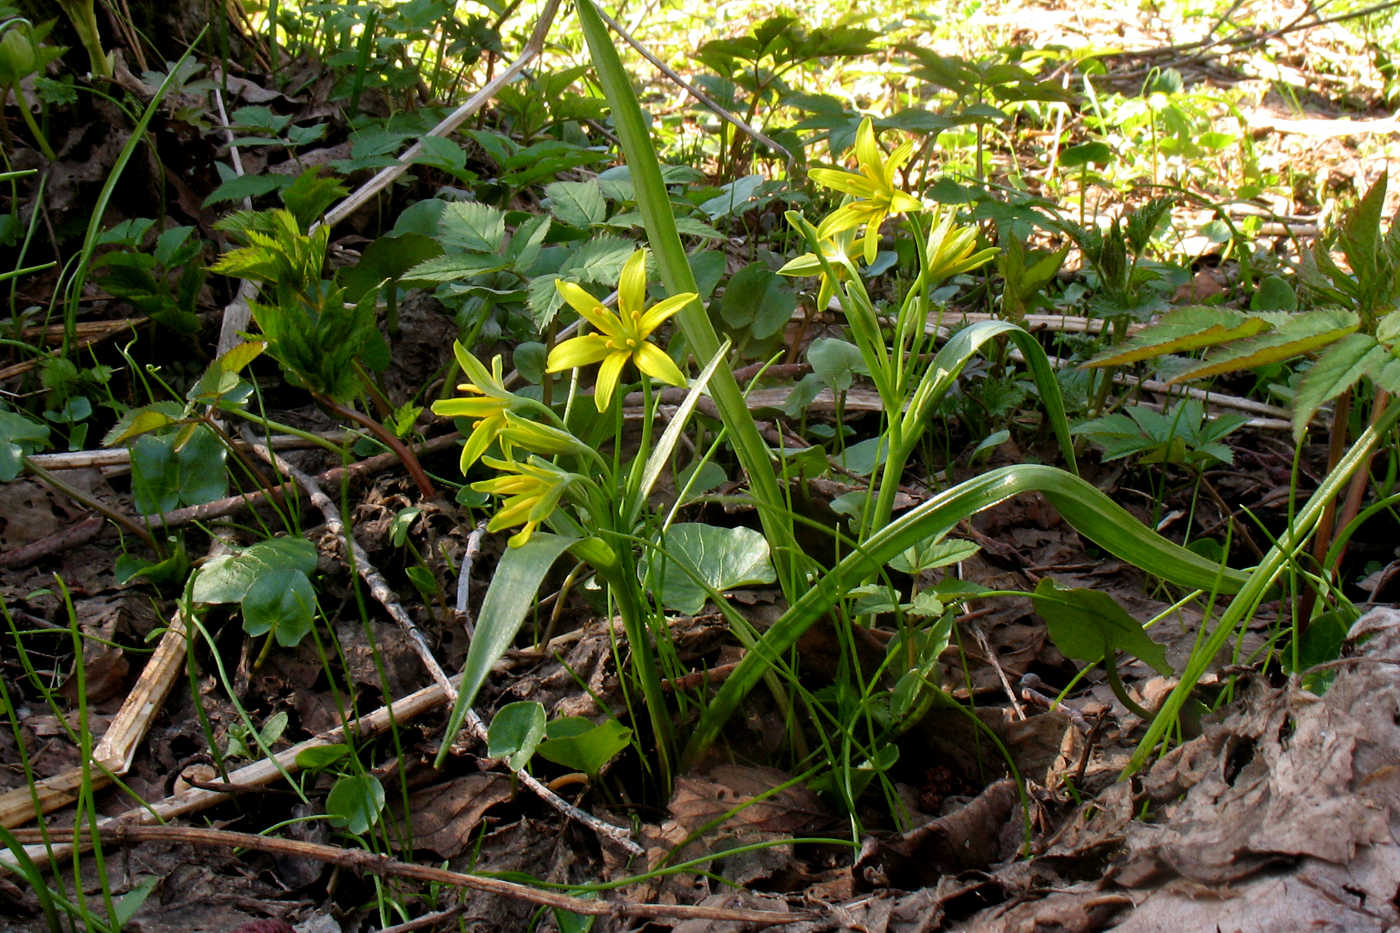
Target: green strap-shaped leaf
x: 1181, y: 330
x: 1298, y: 334
x: 954, y: 356
x: 511, y: 593
x: 654, y: 202
x: 1089, y: 511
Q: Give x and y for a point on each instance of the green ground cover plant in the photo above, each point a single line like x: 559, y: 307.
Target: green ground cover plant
x: 728, y: 391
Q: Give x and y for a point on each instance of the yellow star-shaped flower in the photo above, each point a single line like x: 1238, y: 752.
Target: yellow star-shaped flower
x: 621, y: 336
x: 487, y: 403
x: 841, y: 251
x: 531, y: 491
x: 872, y: 188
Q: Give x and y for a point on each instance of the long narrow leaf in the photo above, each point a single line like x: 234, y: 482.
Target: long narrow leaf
x: 655, y: 207
x: 512, y: 591
x: 667, y: 442
x: 1091, y: 512
x: 1180, y: 330
x: 959, y: 350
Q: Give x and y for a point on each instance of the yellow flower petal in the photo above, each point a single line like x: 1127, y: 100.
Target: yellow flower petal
x: 576, y: 352
x: 662, y: 310
x: 632, y: 285
x: 652, y: 361
x: 608, y: 374
x: 588, y: 307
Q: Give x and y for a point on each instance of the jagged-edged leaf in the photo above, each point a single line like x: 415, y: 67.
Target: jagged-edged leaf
x: 543, y: 300
x: 1387, y: 376
x: 1180, y: 330
x: 137, y: 421
x: 1084, y: 624
x: 1296, y: 335
x: 720, y: 558
x: 1339, y: 368
x: 452, y: 267
x: 577, y: 203
x: 526, y: 244
x: 932, y: 553
x: 600, y: 260
x: 471, y: 225
x: 1359, y: 237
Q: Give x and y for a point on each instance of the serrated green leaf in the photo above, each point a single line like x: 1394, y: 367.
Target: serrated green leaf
x: 1340, y: 367
x: 577, y: 203
x: 1180, y: 330
x: 600, y: 260
x: 1298, y: 334
x: 471, y: 226
x: 453, y: 267
x: 932, y: 553
x: 1084, y: 624
x: 543, y: 300
x: 246, y: 186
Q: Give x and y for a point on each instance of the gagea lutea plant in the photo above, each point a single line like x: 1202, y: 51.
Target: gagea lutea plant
x: 593, y: 505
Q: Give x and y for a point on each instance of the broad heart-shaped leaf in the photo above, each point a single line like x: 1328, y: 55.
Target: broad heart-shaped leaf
x: 1339, y: 368
x: 757, y: 300
x: 282, y: 602
x: 835, y: 362
x: 1180, y: 330
x: 516, y: 731
x: 697, y: 556
x: 355, y: 802
x: 1085, y: 623
x: 226, y: 578
x: 471, y: 226
x: 1091, y: 153
x: 19, y: 436
x: 165, y: 474
x: 1294, y: 335
x: 512, y: 591
x: 577, y: 203
x: 576, y: 743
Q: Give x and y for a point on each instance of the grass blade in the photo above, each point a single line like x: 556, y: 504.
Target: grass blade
x: 655, y: 206
x: 1091, y: 513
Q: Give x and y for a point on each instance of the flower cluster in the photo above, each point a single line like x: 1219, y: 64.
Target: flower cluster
x: 532, y: 487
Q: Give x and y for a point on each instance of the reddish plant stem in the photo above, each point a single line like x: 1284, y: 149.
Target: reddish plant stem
x: 405, y: 455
